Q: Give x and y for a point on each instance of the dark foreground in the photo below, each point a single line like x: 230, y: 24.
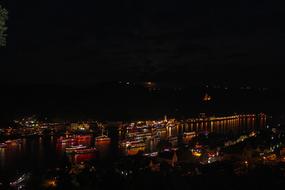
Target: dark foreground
x: 260, y: 177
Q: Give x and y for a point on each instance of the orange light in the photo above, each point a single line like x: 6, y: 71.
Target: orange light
x: 197, y: 154
x: 51, y: 183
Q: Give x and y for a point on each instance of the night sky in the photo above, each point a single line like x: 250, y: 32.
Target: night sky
x: 79, y: 42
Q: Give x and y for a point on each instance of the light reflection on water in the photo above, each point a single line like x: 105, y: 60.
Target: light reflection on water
x: 44, y: 152
x: 103, y: 149
x: 233, y: 126
x: 30, y: 154
x: 2, y: 157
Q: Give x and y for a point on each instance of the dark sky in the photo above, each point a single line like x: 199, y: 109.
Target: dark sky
x: 57, y: 41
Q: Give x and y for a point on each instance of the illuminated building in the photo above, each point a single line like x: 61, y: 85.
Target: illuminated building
x: 79, y: 126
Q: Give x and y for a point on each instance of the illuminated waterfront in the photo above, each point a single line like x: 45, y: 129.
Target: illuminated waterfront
x: 40, y: 153
x: 62, y: 152
x: 151, y: 132
x: 37, y: 154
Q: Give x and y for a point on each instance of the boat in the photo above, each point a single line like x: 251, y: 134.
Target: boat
x: 21, y: 180
x: 80, y: 158
x: 102, y: 138
x: 135, y: 148
x: 65, y: 140
x: 189, y: 135
x: 3, y: 145
x: 139, y: 134
x: 131, y: 143
x: 13, y: 142
x: 143, y: 127
x: 152, y: 154
x: 135, y: 144
x: 83, y: 137
x: 8, y: 141
x: 173, y: 139
x: 72, y: 149
x: 85, y: 150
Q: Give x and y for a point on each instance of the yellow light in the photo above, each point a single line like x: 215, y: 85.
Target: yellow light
x: 197, y: 154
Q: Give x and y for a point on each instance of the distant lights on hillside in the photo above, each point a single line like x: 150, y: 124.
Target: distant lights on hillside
x: 207, y: 98
x: 152, y: 86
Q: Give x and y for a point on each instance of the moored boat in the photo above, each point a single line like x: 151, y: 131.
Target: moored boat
x: 20, y: 182
x: 135, y: 148
x: 189, y: 134
x: 85, y: 150
x: 3, y: 145
x: 83, y: 137
x: 173, y: 139
x: 66, y: 140
x: 102, y: 138
x: 72, y: 149
x: 13, y: 142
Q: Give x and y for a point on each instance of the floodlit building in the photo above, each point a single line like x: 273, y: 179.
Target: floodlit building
x: 79, y: 126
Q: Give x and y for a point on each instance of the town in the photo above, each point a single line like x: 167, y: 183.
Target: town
x: 238, y: 144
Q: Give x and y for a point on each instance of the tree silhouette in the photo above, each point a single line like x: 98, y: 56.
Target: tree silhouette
x: 3, y: 27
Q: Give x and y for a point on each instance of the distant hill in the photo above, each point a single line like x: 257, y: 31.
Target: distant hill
x: 121, y: 101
